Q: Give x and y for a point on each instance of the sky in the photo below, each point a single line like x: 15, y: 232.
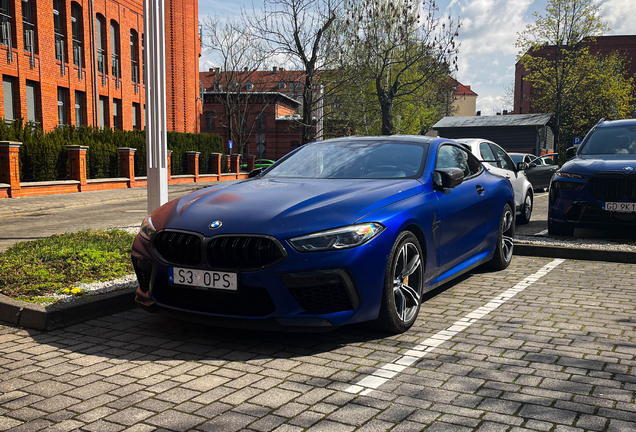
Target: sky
x: 487, y: 52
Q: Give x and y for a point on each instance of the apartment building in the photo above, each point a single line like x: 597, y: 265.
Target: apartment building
x: 81, y: 63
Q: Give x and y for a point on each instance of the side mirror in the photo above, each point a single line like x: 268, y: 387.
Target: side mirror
x: 532, y: 165
x: 522, y: 166
x: 448, y: 178
x: 255, y: 172
x: 570, y: 152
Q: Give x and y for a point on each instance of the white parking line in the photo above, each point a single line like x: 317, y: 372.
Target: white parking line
x: 541, y: 233
x: 371, y: 382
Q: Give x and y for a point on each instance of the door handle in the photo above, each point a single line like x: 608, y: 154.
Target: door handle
x: 480, y: 189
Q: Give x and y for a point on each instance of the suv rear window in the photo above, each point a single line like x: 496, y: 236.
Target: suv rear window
x: 611, y: 140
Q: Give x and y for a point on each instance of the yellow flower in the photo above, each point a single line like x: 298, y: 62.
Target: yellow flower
x: 66, y: 291
x: 76, y: 290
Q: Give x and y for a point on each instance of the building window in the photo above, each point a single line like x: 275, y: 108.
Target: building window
x: 249, y: 85
x: 143, y: 57
x: 77, y: 30
x: 116, y: 113
x: 134, y: 56
x: 79, y: 108
x: 5, y: 22
x: 281, y: 85
x: 28, y: 25
x: 61, y: 105
x: 209, y: 120
x: 100, y: 42
x: 114, y: 47
x: 31, y: 98
x: 135, y: 116
x: 9, y: 103
x: 59, y: 26
x: 260, y: 122
x: 103, y: 112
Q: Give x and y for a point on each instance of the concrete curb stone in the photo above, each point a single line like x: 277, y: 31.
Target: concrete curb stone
x: 39, y: 317
x: 581, y: 254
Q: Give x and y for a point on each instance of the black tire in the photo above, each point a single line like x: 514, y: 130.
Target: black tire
x: 505, y: 240
x: 403, y: 285
x: 560, y: 229
x: 526, y: 209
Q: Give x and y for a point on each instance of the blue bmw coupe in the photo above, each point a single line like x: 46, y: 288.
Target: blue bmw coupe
x: 338, y: 232
x: 597, y: 188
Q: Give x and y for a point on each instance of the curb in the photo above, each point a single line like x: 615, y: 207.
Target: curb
x: 38, y: 317
x: 580, y: 254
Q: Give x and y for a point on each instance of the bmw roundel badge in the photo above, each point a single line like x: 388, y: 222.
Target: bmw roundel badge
x: 628, y: 168
x: 216, y: 224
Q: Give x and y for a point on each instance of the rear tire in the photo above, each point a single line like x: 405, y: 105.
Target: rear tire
x: 526, y: 210
x: 505, y: 240
x: 403, y: 285
x: 560, y: 229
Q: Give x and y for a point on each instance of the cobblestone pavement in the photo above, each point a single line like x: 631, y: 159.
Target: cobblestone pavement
x: 558, y: 356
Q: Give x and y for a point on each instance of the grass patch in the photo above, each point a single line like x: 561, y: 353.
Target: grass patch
x: 42, y: 267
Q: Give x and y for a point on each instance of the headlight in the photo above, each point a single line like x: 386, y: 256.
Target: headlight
x: 567, y: 185
x: 568, y: 175
x: 339, y: 238
x: 147, y: 229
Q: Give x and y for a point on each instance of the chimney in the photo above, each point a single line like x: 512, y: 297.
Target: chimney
x: 498, y: 113
x: 505, y: 112
x: 211, y: 70
x: 468, y: 87
x: 274, y: 69
x: 245, y: 69
x: 217, y: 71
x: 282, y: 69
x: 478, y: 113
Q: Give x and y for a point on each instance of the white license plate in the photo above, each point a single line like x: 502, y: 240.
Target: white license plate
x: 203, y: 278
x: 623, y: 207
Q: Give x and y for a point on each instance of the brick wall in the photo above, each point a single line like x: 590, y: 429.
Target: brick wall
x: 181, y: 35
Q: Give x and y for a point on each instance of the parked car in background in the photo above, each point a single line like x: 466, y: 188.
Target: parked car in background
x: 540, y: 169
x: 340, y: 231
x: 498, y: 162
x: 258, y: 163
x: 597, y: 188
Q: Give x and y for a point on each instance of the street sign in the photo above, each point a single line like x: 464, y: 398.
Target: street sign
x: 231, y: 142
x: 577, y: 140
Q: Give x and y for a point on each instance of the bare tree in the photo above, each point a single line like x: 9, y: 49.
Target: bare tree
x: 299, y: 30
x: 237, y: 86
x: 402, y: 46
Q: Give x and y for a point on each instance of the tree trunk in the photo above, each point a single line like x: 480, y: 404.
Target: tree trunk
x: 308, y: 132
x: 386, y: 106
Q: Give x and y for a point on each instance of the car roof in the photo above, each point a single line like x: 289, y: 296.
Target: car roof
x: 617, y: 123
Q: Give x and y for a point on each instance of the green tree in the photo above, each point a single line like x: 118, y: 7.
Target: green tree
x: 406, y: 51
x: 553, y: 51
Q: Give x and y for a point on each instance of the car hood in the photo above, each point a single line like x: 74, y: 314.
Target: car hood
x: 590, y: 164
x: 282, y: 207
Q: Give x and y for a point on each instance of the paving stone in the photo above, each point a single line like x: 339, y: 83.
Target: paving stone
x: 353, y: 414
x: 328, y: 426
x: 175, y: 420
x: 130, y: 416
x: 274, y: 398
x: 227, y: 422
x: 547, y: 414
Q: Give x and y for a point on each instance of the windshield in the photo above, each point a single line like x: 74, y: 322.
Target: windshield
x: 516, y: 158
x: 611, y: 140
x: 372, y: 159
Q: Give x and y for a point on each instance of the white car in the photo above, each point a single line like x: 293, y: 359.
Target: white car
x: 497, y: 161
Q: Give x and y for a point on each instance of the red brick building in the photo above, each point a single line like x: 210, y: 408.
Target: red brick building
x: 276, y: 100
x: 624, y: 45
x: 81, y: 62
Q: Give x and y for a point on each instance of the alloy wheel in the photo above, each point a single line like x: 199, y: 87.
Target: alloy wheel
x: 407, y: 282
x: 507, y: 242
x: 528, y: 207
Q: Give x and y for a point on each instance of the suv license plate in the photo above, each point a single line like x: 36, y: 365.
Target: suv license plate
x: 623, y: 207
x: 203, y: 278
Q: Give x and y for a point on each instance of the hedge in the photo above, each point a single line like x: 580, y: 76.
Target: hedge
x: 43, y: 155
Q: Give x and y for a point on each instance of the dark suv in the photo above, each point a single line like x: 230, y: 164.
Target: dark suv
x: 597, y: 188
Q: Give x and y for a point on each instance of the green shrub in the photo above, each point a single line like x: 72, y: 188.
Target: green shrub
x: 43, y: 155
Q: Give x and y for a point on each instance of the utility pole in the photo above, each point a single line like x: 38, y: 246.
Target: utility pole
x: 155, y: 74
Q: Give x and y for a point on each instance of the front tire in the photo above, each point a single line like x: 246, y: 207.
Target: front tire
x: 403, y: 285
x: 560, y: 229
x: 526, y: 210
x: 505, y: 240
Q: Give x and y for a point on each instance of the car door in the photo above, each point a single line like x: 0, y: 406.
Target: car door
x: 464, y: 211
x: 541, y: 174
x: 510, y: 172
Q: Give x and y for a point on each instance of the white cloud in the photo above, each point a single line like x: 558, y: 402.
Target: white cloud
x: 619, y: 15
